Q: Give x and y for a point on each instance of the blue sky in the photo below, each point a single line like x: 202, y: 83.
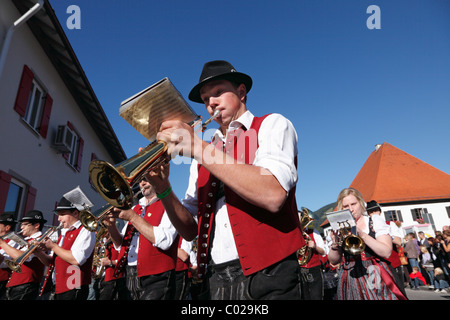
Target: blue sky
x: 345, y: 87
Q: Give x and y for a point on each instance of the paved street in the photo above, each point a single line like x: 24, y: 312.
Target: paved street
x: 426, y: 294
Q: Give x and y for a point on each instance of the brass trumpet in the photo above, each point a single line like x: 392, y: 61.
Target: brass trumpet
x: 15, y: 265
x: 349, y: 242
x: 114, y: 183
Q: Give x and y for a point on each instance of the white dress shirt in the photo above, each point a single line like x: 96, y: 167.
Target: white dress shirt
x: 84, y: 244
x: 277, y: 150
x: 165, y: 233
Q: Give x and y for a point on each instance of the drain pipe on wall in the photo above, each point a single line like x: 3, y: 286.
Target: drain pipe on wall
x: 5, y: 48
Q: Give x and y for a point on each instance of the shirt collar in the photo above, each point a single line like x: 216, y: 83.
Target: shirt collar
x: 34, y: 236
x: 76, y: 225
x: 244, y: 121
x: 143, y: 201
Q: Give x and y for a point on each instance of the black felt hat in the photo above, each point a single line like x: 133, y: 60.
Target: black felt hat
x: 218, y: 70
x: 33, y: 216
x: 7, y: 218
x: 64, y: 204
x: 372, y: 206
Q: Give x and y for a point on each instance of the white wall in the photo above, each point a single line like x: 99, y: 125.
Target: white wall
x: 437, y: 210
x: 25, y: 154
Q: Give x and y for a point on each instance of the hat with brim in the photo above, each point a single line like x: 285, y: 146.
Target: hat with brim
x: 372, y: 205
x: 219, y: 70
x: 64, y: 204
x: 7, y: 218
x: 33, y: 216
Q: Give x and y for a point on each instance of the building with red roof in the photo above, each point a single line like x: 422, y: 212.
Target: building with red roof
x: 410, y: 191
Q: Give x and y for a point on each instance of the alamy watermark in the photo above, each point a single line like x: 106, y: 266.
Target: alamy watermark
x: 74, y: 20
x: 374, y: 20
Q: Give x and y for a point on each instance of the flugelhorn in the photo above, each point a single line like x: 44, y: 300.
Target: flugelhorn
x: 349, y: 242
x: 15, y: 265
x: 92, y: 220
x: 304, y: 253
x: 115, y: 183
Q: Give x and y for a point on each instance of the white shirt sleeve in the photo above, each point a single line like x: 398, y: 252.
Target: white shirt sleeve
x: 319, y: 242
x: 190, y: 199
x: 165, y: 233
x: 83, y: 246
x: 277, y: 149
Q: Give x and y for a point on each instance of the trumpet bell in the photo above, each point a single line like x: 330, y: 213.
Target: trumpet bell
x: 114, y: 183
x: 353, y: 245
x: 88, y: 220
x: 14, y: 266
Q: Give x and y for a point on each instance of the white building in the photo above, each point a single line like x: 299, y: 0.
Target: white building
x: 408, y: 190
x: 43, y: 91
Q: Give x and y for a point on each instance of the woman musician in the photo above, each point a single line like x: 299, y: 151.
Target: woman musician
x: 364, y: 276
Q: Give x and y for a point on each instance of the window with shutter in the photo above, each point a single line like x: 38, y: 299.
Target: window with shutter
x: 33, y: 103
x: 74, y: 158
x: 16, y: 197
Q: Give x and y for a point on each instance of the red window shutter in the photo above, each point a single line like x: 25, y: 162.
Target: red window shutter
x: 66, y: 155
x: 24, y: 91
x: 5, y: 180
x: 31, y: 198
x: 80, y: 154
x: 46, y: 116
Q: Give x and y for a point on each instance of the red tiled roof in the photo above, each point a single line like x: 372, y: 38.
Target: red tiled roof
x: 392, y: 175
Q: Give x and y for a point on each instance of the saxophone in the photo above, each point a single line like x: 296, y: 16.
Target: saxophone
x: 304, y: 253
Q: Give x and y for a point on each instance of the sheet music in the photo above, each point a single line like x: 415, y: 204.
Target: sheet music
x: 146, y: 110
x: 337, y: 218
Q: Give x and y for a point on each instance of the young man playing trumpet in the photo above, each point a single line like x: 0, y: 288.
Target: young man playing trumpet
x: 24, y: 285
x: 241, y: 194
x: 73, y: 252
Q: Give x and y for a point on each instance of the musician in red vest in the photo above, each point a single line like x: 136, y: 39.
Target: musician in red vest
x: 73, y: 252
x: 7, y: 225
x: 182, y: 279
x: 24, y: 285
x: 111, y: 287
x: 147, y: 248
x: 241, y: 194
x: 311, y: 271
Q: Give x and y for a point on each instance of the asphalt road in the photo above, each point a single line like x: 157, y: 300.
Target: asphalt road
x: 426, y: 294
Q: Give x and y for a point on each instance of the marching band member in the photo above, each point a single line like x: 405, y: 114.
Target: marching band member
x: 24, y: 285
x: 72, y: 254
x: 241, y: 194
x: 111, y: 287
x: 366, y: 276
x: 7, y: 225
x: 311, y: 272
x: 182, y: 280
x: 147, y: 251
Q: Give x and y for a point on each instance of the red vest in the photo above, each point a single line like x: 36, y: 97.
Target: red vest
x: 32, y: 271
x: 152, y: 260
x: 112, y: 254
x: 5, y: 273
x: 394, y: 259
x: 316, y: 259
x: 262, y: 238
x: 64, y: 275
x: 180, y: 264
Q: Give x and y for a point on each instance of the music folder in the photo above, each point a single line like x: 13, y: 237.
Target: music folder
x: 337, y: 219
x: 147, y: 109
